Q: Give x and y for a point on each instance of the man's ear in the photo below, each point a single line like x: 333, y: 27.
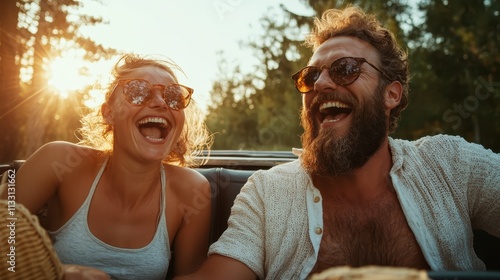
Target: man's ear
x: 393, y: 93
x: 107, y: 113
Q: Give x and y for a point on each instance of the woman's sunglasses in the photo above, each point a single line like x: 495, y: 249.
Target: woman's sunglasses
x: 140, y: 92
x: 343, y: 71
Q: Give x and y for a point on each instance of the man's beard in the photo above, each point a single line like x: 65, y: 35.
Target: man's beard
x: 327, y: 154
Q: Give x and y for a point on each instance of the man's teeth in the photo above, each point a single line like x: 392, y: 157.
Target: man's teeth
x: 330, y: 120
x: 332, y: 104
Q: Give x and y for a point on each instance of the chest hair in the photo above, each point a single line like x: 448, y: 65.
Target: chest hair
x: 375, y: 233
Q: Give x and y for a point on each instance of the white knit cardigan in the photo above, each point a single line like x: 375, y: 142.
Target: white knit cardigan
x: 446, y: 186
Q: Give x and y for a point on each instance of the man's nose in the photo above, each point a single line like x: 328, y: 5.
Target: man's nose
x: 324, y: 82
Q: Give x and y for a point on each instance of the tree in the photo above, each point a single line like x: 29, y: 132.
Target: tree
x: 274, y: 101
x: 33, y: 33
x: 277, y: 102
x: 456, y: 61
x: 229, y: 100
x: 264, y: 111
x: 9, y: 76
x: 453, y: 49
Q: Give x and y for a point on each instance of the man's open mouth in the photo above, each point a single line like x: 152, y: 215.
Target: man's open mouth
x: 153, y: 128
x: 334, y: 111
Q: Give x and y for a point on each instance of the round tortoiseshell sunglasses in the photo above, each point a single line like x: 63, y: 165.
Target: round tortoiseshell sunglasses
x: 343, y: 71
x: 140, y: 92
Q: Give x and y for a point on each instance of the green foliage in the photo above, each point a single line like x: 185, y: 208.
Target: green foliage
x: 259, y: 110
x: 229, y: 97
x: 453, y: 49
x: 455, y: 61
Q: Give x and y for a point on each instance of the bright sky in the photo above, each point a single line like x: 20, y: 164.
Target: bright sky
x: 190, y: 32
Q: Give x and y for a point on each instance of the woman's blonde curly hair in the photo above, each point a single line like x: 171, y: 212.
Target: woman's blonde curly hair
x: 194, y: 138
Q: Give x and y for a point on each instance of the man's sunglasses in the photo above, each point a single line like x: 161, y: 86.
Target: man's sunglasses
x: 140, y: 92
x: 343, y: 71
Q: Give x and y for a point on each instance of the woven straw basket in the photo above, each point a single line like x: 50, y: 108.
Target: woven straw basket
x: 370, y: 273
x: 35, y: 257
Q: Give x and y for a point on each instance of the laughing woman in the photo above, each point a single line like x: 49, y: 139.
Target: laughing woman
x: 120, y: 204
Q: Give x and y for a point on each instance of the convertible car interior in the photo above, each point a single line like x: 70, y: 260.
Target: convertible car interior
x: 227, y: 172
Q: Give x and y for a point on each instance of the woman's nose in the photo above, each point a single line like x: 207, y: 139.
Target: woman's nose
x: 157, y: 100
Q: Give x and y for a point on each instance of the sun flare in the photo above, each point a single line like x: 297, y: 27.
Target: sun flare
x: 65, y: 75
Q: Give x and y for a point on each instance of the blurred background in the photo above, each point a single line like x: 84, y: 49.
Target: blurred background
x: 56, y: 56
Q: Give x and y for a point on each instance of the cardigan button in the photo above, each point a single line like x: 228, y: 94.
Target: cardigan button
x: 318, y: 230
x: 316, y: 199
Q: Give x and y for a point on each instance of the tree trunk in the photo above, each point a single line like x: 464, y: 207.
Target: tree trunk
x: 9, y: 80
x: 37, y: 124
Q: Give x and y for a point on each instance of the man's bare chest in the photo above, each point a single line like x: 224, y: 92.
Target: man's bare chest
x: 373, y: 234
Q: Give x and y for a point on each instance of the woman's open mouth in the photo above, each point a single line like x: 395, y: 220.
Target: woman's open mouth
x: 153, y: 128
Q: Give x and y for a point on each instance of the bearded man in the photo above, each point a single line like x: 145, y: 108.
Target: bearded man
x: 356, y: 196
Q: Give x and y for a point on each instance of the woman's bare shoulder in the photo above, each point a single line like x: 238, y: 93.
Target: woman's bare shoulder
x: 186, y: 179
x: 61, y: 156
x: 49, y: 169
x: 68, y: 149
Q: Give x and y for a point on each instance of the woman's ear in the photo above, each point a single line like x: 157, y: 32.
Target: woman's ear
x: 107, y: 113
x: 393, y: 93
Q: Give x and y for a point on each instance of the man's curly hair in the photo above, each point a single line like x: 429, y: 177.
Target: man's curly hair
x: 352, y: 21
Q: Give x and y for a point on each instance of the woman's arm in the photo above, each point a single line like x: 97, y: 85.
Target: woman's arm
x: 190, y: 245
x: 37, y: 179
x: 218, y: 267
